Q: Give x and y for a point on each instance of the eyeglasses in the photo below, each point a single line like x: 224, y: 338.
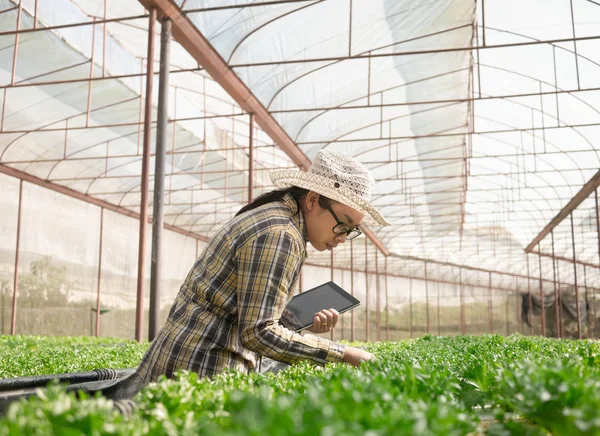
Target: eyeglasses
x: 341, y: 227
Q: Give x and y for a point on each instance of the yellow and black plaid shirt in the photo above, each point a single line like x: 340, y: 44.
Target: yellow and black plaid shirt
x: 227, y: 312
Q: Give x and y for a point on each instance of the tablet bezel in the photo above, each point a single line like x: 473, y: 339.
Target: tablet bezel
x: 346, y: 295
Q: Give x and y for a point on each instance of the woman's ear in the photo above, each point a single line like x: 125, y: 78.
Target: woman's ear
x: 311, y: 200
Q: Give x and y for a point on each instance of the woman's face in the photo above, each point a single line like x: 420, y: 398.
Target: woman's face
x: 320, y: 222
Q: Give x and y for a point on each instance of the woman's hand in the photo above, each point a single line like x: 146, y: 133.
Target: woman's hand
x: 355, y: 356
x: 324, y: 321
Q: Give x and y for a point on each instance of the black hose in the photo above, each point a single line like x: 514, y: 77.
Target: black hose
x: 37, y: 381
x: 119, y: 385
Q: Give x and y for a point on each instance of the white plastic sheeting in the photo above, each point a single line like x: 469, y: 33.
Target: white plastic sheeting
x: 474, y: 150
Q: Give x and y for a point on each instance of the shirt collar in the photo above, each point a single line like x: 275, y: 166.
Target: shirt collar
x: 297, y: 215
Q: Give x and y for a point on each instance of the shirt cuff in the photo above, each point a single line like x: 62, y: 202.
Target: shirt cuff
x: 335, y: 353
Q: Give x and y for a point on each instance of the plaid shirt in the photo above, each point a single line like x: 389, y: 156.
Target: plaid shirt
x: 227, y: 312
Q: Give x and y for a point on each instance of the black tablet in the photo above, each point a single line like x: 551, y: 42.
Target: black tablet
x: 300, y: 311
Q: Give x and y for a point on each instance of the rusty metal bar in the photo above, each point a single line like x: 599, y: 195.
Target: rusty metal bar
x: 16, y: 49
x: 90, y: 83
x: 367, y: 314
x: 507, y: 315
x: 490, y: 313
x: 431, y: 102
x: 529, y: 294
x: 159, y: 180
x: 13, y: 324
x: 426, y: 298
x: 439, y: 327
x: 66, y: 26
x: 543, y: 319
x: 575, y: 44
x: 88, y: 199
x: 405, y: 53
x: 583, y: 193
x: 104, y: 43
x: 410, y: 305
x: 35, y: 14
x: 331, y: 278
x: 482, y: 23
x: 598, y: 233
x: 556, y: 306
x: 387, y: 303
x: 587, y: 302
x: 377, y: 298
x: 99, y: 278
x: 251, y: 159
x: 462, y: 302
x: 186, y: 33
x: 245, y: 5
x: 21, y: 83
x: 352, y: 288
x: 575, y: 277
x: 139, y: 315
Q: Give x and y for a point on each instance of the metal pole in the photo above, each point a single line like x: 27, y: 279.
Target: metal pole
x: 159, y: 178
x: 352, y: 288
x: 367, y: 317
x: 251, y: 159
x: 598, y: 233
x: 16, y: 49
x: 575, y: 277
x: 410, y: 316
x: 387, y: 304
x: 490, y: 313
x: 542, y: 294
x: 378, y: 299
x: 331, y: 331
x: 97, y: 332
x: 587, y: 320
x: 462, y: 302
x: 139, y: 309
x: 556, y: 306
x: 13, y: 325
x: 529, y: 295
x: 426, y: 298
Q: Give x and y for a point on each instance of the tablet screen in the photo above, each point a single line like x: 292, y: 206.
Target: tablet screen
x: 300, y: 311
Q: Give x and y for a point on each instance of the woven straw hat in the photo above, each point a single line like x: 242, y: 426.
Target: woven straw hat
x: 338, y: 177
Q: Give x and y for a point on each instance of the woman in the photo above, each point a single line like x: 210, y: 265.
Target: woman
x: 227, y: 312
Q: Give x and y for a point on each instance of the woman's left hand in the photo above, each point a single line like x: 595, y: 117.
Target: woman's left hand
x: 324, y: 321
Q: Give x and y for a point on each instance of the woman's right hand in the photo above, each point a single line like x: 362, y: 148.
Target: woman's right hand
x: 355, y: 356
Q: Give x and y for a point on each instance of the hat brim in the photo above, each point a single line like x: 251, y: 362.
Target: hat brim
x: 322, y: 185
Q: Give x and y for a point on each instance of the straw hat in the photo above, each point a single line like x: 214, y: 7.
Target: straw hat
x: 338, y: 177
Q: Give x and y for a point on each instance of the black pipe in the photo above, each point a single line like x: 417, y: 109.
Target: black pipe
x: 30, y: 382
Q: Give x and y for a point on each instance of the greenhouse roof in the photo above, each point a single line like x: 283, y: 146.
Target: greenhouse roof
x: 479, y: 120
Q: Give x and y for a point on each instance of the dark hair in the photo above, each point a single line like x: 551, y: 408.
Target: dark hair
x: 277, y: 195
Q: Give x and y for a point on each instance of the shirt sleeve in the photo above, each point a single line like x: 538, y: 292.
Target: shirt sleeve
x: 266, y: 267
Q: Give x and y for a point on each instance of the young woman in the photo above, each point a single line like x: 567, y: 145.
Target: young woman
x: 227, y: 312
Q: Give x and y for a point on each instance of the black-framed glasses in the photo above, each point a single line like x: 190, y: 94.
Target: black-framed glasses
x: 341, y: 227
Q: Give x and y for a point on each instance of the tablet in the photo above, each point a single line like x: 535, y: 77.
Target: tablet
x: 300, y: 311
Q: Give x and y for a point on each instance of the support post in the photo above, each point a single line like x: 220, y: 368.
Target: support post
x: 250, y: 158
x: 159, y: 178
x: 13, y: 324
x: 139, y: 309
x: 575, y: 277
x: 97, y: 330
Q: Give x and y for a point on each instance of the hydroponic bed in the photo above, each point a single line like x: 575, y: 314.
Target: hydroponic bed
x: 450, y: 385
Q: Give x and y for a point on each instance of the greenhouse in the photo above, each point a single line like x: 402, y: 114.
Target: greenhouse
x: 132, y: 132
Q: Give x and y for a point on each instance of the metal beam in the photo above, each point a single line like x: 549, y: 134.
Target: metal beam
x: 584, y: 193
x: 21, y: 175
x: 190, y: 38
